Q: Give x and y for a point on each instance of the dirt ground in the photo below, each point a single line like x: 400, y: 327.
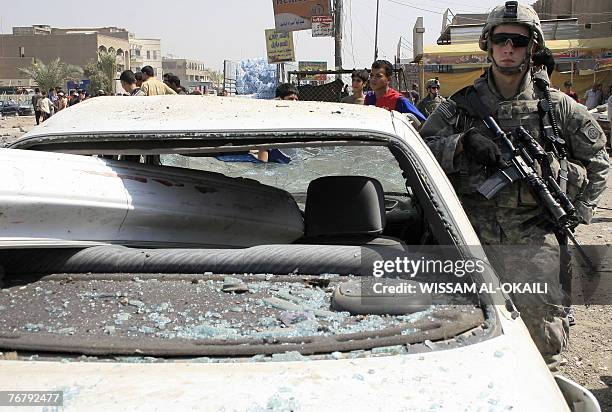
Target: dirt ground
x: 589, y: 358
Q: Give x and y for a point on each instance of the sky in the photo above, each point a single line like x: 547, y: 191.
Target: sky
x: 217, y: 30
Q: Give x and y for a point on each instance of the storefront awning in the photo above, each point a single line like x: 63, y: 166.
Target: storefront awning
x: 472, y: 49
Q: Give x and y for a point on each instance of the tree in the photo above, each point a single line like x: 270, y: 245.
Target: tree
x: 54, y: 74
x: 97, y: 81
x: 107, y: 63
x: 102, y: 73
x: 217, y: 79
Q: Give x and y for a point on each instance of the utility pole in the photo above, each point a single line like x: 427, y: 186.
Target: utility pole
x: 376, y: 35
x: 338, y: 35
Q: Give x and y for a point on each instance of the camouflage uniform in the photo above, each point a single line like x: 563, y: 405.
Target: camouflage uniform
x: 429, y: 104
x: 509, y: 218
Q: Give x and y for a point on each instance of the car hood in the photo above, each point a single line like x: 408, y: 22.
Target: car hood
x: 113, y: 120
x: 482, y: 376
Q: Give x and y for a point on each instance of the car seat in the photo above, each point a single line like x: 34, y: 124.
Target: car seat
x: 346, y: 210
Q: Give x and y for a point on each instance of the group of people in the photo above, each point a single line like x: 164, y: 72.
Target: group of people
x: 140, y: 83
x: 592, y: 97
x: 48, y: 102
x: 595, y: 96
x: 382, y: 95
x: 144, y: 83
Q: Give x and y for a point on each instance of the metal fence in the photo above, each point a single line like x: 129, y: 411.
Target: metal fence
x: 329, y: 85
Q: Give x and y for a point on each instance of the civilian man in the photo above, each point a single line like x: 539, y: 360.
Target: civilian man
x: 151, y: 86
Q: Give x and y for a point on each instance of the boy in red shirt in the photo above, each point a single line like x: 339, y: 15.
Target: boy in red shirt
x: 384, y: 96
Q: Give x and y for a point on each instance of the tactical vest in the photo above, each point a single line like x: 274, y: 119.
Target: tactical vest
x: 522, y: 110
x: 429, y: 105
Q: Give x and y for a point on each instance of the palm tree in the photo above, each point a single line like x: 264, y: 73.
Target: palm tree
x: 51, y: 75
x: 107, y: 65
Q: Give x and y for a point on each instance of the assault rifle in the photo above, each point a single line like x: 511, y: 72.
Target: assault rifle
x: 521, y: 165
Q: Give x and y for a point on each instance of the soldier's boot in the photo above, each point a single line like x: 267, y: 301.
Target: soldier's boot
x: 549, y: 329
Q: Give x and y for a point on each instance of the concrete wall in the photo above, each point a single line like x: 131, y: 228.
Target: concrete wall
x: 76, y: 49
x: 587, y: 11
x: 72, y: 49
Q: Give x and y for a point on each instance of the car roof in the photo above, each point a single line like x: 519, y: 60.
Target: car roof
x: 154, y: 117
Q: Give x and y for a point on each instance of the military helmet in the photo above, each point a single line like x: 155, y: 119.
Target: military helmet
x: 432, y: 83
x: 512, y: 13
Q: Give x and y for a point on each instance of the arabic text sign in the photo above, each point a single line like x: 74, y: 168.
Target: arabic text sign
x: 322, y: 26
x: 279, y: 46
x: 291, y: 15
x: 308, y: 66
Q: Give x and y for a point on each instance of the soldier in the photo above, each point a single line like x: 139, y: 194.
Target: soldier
x: 433, y: 99
x: 469, y: 154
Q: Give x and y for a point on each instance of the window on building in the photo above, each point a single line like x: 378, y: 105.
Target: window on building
x: 148, y: 55
x: 588, y: 26
x: 137, y: 52
x: 154, y: 54
x: 21, y: 51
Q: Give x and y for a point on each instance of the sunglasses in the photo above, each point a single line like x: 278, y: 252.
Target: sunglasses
x: 517, y: 40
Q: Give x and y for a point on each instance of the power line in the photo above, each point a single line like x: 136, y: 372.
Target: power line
x: 470, y: 6
x: 415, y: 7
x: 404, y: 40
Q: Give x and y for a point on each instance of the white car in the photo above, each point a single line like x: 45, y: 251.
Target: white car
x: 152, y: 262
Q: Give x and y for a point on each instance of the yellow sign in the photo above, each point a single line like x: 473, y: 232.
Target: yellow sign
x: 313, y: 66
x: 279, y: 45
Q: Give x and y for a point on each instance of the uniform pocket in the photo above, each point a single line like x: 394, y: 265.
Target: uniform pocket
x: 576, y: 179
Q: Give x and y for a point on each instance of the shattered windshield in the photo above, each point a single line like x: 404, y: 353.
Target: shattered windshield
x: 305, y: 165
x: 285, y: 298
x: 211, y: 315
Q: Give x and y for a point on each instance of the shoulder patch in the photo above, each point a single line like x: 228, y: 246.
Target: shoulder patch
x: 447, y: 109
x: 592, y: 132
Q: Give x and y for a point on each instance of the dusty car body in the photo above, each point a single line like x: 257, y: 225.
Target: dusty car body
x: 105, y: 229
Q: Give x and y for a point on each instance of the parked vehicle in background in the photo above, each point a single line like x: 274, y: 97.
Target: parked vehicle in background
x: 9, y: 107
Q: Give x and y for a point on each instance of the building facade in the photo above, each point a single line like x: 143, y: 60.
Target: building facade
x: 146, y: 52
x: 193, y: 74
x: 76, y: 46
x: 593, y: 15
x: 73, y: 46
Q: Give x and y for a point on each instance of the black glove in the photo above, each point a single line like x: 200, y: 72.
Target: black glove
x: 481, y: 148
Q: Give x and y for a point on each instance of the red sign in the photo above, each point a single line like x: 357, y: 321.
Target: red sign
x: 322, y: 26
